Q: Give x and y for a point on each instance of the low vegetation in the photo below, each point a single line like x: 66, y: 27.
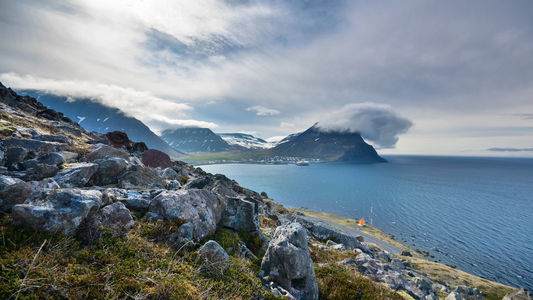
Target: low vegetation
x: 42, y: 265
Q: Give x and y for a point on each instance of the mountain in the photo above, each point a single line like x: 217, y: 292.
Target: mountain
x: 192, y: 139
x: 247, y: 141
x: 327, y: 145
x: 95, y: 116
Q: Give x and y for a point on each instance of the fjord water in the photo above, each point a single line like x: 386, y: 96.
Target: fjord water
x: 474, y: 213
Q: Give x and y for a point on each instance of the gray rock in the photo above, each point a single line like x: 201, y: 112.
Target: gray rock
x: 468, y: 292
x: 140, y: 177
x: 133, y: 199
x: 173, y: 185
x: 169, y: 174
x: 54, y: 159
x: 61, y: 210
x: 7, y: 181
x: 76, y: 176
x: 53, y: 138
x: 198, y: 183
x: 19, y: 192
x: 14, y: 156
x: 245, y: 252
x: 108, y: 170
x: 330, y: 243
x: 214, y: 259
x: 41, y: 171
x: 197, y: 207
x: 339, y: 247
x: 288, y: 263
x: 519, y: 294
x: 115, y: 218
x: 323, y: 231
x: 105, y: 151
x: 454, y: 296
x: 34, y: 145
x: 69, y: 156
x: 240, y: 215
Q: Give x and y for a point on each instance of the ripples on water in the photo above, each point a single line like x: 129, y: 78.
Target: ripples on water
x: 478, y: 212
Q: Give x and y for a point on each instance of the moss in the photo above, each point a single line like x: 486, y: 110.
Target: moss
x: 332, y: 256
x: 161, y: 230
x: 227, y: 238
x: 338, y: 282
x: 6, y: 128
x: 184, y: 179
x: 253, y: 241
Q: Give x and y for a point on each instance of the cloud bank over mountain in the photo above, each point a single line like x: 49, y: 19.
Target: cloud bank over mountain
x: 376, y: 123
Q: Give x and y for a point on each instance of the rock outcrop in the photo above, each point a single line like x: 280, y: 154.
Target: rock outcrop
x: 288, y: 263
x: 214, y: 258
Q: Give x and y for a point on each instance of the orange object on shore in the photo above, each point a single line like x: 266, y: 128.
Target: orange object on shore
x: 361, y: 222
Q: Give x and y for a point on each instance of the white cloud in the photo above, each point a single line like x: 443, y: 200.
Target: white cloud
x: 377, y: 123
x: 142, y: 105
x: 263, y: 111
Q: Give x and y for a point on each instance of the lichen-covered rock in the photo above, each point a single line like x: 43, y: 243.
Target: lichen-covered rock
x: 19, y: 192
x: 141, y: 177
x: 34, y: 145
x: 133, y: 199
x: 156, y: 159
x: 105, y: 151
x: 114, y: 218
x: 169, y: 174
x: 519, y: 294
x: 54, y: 159
x: 198, y: 183
x: 108, y: 170
x: 61, y: 210
x: 200, y: 208
x: 240, y: 215
x: 7, y: 181
x: 76, y: 175
x: 214, y: 259
x: 288, y: 263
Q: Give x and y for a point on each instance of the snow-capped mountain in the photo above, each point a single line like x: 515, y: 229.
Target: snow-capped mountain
x: 192, y: 139
x: 246, y: 140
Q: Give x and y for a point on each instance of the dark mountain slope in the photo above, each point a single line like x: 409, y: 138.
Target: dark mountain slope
x: 97, y: 117
x: 192, y: 139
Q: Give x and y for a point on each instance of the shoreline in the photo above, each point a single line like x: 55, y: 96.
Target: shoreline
x: 434, y: 270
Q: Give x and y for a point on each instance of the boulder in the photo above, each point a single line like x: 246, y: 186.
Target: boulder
x: 105, y: 151
x: 198, y: 183
x: 61, y: 210
x: 54, y: 159
x: 519, y: 294
x: 140, y: 177
x: 108, y: 170
x: 173, y: 185
x: 7, y: 181
x: 170, y: 174
x: 76, y: 175
x: 139, y: 147
x: 133, y: 199
x: 17, y: 193
x: 114, y: 218
x: 199, y: 208
x: 288, y: 263
x: 34, y: 145
x: 52, y: 138
x: 41, y: 171
x: 156, y: 159
x: 15, y: 156
x: 323, y: 231
x: 240, y: 215
x: 118, y: 139
x: 214, y: 259
x: 69, y: 156
x: 468, y: 292
x: 454, y: 296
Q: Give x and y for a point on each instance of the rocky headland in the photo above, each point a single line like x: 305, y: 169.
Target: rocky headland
x: 87, y: 215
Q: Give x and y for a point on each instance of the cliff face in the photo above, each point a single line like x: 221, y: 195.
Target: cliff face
x: 328, y: 145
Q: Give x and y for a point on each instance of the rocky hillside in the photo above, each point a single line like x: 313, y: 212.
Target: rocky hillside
x: 195, y: 140
x: 327, y: 145
x: 97, y: 117
x: 85, y: 215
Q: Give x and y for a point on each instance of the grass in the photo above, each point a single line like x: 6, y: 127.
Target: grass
x: 454, y: 277
x: 136, y: 266
x: 339, y: 282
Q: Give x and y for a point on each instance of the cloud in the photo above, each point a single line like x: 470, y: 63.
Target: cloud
x: 142, y: 105
x: 510, y: 149
x: 263, y: 111
x: 376, y: 123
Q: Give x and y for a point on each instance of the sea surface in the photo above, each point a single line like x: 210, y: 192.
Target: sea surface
x: 474, y: 213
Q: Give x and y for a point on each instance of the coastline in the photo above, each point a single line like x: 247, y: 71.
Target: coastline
x: 433, y: 270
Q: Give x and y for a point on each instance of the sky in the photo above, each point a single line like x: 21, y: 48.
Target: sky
x: 414, y: 77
